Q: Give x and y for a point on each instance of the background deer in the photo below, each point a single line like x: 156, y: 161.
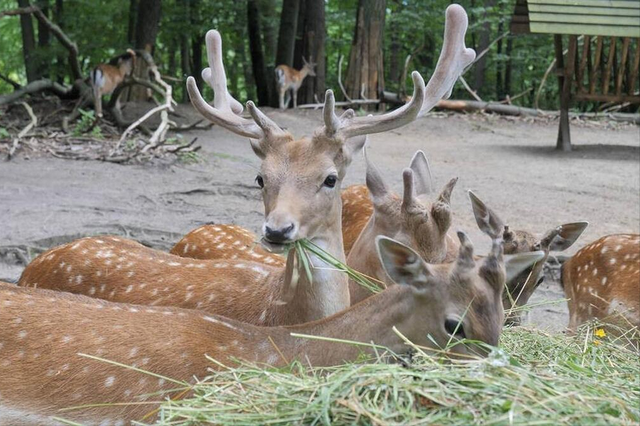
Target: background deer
x: 290, y: 79
x: 106, y: 77
x: 602, y: 281
x: 44, y: 332
x: 301, y: 191
x: 520, y: 289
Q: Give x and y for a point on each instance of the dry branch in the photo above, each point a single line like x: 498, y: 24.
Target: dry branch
x: 34, y: 87
x: 23, y: 132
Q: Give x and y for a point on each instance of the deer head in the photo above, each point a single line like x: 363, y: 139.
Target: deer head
x: 522, y: 286
x: 466, y: 294
x: 407, y: 219
x: 309, y: 67
x: 301, y: 178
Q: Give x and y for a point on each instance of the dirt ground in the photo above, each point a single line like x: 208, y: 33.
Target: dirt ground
x: 510, y: 163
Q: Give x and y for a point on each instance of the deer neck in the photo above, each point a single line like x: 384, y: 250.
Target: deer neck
x: 327, y: 292
x: 370, y: 321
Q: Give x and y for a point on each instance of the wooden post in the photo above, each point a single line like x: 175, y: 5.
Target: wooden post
x: 564, y: 85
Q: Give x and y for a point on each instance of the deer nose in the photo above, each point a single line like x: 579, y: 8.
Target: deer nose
x: 280, y: 235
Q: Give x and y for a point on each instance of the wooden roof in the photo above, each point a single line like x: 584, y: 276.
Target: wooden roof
x: 617, y: 18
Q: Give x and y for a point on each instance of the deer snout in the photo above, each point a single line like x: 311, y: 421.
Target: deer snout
x: 280, y: 233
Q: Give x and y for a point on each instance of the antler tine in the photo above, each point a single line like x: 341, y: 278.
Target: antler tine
x: 225, y: 109
x: 331, y: 120
x: 351, y: 126
x: 454, y: 58
x: 408, y: 192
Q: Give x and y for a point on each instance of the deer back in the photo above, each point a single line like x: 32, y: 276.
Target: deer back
x: 602, y: 281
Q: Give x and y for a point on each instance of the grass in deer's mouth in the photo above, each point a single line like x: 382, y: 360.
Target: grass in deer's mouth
x: 304, y: 247
x: 534, y: 378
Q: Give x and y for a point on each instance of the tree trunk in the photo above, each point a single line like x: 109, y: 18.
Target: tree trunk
x: 499, y: 66
x: 146, y: 30
x: 508, y: 68
x: 484, y: 39
x: 131, y: 30
x: 197, y: 42
x: 268, y: 28
x: 287, y: 33
x: 44, y: 40
x: 28, y: 43
x: 257, y: 55
x: 365, y: 60
x: 313, y: 43
x: 58, y: 18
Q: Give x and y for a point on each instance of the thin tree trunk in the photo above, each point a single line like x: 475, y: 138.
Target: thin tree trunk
x: 146, y: 31
x: 366, y: 69
x: 508, y: 67
x: 58, y: 18
x: 499, y: 65
x: 268, y: 29
x: 257, y: 55
x: 484, y: 40
x: 28, y: 43
x: 44, y: 40
x: 131, y: 29
x: 313, y: 45
x: 287, y: 33
x: 197, y: 43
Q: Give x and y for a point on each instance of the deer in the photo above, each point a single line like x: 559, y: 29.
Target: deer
x: 62, y: 350
x: 300, y: 181
x: 290, y: 79
x: 106, y: 77
x: 602, y: 281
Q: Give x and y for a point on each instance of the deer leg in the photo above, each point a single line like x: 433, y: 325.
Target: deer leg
x: 287, y: 99
x: 281, y: 94
x: 97, y: 101
x: 295, y: 99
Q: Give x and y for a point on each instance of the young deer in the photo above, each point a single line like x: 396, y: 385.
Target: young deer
x: 602, y: 281
x: 288, y: 78
x: 106, y: 77
x: 301, y: 191
x: 406, y: 219
x: 519, y: 290
x: 44, y: 334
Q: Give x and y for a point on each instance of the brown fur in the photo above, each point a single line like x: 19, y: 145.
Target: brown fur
x: 357, y: 208
x: 106, y: 77
x: 288, y: 78
x: 602, y: 281
x: 44, y: 332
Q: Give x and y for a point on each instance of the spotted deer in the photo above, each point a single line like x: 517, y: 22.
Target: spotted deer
x: 300, y: 181
x: 406, y: 218
x: 106, y: 77
x: 602, y: 281
x: 290, y: 79
x: 45, y: 334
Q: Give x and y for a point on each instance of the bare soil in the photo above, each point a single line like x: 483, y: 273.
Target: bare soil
x: 509, y: 163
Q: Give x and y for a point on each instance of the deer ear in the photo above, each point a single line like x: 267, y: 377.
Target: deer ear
x: 421, y: 173
x: 487, y: 220
x: 516, y: 263
x: 256, y: 146
x: 566, y: 235
x: 355, y: 144
x: 375, y: 183
x: 402, y: 264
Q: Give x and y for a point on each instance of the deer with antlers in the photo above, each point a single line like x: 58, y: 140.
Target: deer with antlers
x: 44, y: 334
x: 602, y: 281
x: 106, y: 77
x: 300, y: 181
x: 289, y: 79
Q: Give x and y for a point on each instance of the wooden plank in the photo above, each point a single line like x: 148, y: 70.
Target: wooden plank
x: 519, y: 28
x: 520, y: 19
x: 635, y: 99
x: 583, y: 63
x: 633, y: 78
x: 623, y: 65
x: 630, y: 21
x: 582, y: 29
x: 580, y: 10
x: 622, y: 4
x: 596, y: 65
x: 609, y: 66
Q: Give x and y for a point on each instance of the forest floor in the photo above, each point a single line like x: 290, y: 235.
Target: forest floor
x: 509, y: 162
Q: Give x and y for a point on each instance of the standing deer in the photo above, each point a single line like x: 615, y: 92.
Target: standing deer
x: 288, y: 78
x: 106, y: 77
x: 602, y: 280
x: 44, y: 334
x: 300, y: 181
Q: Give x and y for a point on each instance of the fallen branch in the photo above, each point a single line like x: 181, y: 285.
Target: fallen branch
x: 23, y: 132
x: 353, y: 102
x: 19, y: 11
x: 34, y: 87
x: 15, y: 84
x: 469, y: 89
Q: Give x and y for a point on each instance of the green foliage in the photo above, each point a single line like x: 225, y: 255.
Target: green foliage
x: 87, y: 121
x: 4, y: 133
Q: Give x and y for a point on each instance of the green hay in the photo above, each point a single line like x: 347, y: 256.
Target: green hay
x: 534, y: 378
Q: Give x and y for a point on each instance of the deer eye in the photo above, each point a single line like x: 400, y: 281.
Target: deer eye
x: 260, y: 181
x: 330, y: 181
x: 454, y: 328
